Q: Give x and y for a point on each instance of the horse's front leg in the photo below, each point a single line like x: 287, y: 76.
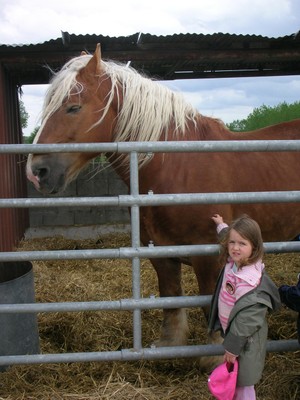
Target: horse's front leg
x: 174, y: 331
x: 206, y: 270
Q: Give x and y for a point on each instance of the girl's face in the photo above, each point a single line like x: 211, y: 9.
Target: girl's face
x: 239, y: 248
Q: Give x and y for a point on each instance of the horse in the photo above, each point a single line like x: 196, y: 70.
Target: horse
x: 94, y: 100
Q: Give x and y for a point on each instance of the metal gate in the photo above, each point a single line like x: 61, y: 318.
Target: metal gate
x: 134, y: 200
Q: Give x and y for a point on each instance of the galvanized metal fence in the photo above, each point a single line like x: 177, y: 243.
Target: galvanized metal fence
x: 134, y: 200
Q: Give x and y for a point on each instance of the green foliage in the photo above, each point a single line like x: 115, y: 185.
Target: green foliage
x: 266, y: 116
x: 259, y: 118
x: 23, y: 115
x: 30, y: 139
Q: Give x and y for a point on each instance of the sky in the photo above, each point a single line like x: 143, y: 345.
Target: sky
x: 33, y: 21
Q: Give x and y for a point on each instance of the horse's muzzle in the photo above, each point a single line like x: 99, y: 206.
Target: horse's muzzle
x: 47, y: 173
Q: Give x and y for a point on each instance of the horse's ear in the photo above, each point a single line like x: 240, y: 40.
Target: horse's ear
x: 83, y: 53
x: 97, y: 53
x: 94, y: 65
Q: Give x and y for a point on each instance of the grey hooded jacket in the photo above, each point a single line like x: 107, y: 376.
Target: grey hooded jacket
x: 246, y: 334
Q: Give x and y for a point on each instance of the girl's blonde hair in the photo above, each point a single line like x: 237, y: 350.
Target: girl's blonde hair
x: 249, y: 230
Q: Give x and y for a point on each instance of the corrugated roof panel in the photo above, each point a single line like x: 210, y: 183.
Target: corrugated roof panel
x: 213, y: 55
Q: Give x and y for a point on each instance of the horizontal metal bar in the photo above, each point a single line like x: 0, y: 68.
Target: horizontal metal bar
x: 210, y: 146
x: 60, y: 255
x: 59, y: 148
x: 155, y: 199
x: 141, y: 252
x: 112, y: 201
x: 152, y: 353
x: 155, y: 147
x: 125, y: 253
x: 113, y: 305
x: 210, y: 198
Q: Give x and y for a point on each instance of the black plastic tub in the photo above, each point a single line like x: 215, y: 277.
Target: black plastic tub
x: 18, y: 331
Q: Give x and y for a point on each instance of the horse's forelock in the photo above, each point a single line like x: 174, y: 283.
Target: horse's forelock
x: 61, y: 85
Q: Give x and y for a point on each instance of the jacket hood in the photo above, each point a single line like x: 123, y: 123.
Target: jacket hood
x: 268, y: 291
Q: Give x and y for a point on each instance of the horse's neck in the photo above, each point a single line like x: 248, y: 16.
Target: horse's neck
x: 211, y: 129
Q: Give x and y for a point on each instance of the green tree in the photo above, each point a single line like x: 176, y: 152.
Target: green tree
x: 29, y: 139
x: 23, y: 115
x: 265, y: 116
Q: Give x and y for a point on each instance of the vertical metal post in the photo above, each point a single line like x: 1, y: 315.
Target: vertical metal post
x: 135, y: 242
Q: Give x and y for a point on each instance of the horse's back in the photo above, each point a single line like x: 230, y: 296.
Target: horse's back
x: 288, y: 130
x: 216, y: 172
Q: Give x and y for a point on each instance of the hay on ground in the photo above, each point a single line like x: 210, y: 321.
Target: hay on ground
x: 58, y: 281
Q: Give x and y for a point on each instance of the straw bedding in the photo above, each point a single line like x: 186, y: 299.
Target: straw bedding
x: 101, y: 331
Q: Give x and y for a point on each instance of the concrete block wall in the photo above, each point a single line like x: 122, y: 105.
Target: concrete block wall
x: 97, y: 180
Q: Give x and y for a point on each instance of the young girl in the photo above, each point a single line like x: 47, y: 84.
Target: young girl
x: 244, y: 294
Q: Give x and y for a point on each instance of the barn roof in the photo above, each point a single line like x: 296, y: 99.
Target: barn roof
x: 170, y: 57
x: 178, y: 56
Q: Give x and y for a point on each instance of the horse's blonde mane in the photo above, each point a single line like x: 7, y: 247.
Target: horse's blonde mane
x: 148, y: 108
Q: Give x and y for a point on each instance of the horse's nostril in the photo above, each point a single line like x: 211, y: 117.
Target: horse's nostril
x: 44, y: 172
x: 41, y: 173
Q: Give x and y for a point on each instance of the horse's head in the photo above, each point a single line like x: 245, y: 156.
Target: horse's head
x: 74, y: 112
x: 91, y: 100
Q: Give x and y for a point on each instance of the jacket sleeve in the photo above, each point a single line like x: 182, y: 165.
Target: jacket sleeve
x: 213, y: 319
x: 290, y: 296
x: 222, y: 229
x: 243, y: 326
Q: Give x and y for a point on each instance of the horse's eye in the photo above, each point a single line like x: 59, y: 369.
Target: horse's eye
x: 74, y: 109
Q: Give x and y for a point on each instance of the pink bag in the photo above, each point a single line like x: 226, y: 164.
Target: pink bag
x: 222, y: 381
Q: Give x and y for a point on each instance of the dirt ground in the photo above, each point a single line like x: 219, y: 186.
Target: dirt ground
x: 181, y: 379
